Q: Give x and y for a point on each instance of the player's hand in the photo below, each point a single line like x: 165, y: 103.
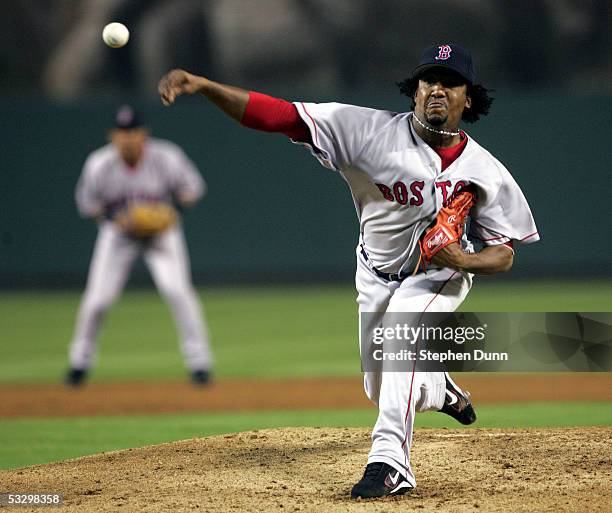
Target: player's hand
x: 121, y: 220
x: 450, y: 256
x: 178, y: 82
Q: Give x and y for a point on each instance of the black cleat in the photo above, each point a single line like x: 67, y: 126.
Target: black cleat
x: 75, y: 377
x: 457, y: 403
x: 201, y: 377
x: 380, y: 480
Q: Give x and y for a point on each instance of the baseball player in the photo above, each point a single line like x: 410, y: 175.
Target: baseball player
x: 414, y: 177
x: 130, y: 187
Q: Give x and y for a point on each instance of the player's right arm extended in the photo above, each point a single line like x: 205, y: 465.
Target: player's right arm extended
x: 231, y: 100
x: 251, y: 109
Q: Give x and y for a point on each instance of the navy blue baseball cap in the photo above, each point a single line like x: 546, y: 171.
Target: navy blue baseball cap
x: 127, y: 117
x: 448, y: 56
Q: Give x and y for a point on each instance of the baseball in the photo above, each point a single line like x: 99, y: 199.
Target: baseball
x: 115, y: 35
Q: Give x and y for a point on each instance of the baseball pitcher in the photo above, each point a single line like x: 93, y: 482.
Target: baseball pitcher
x: 130, y: 186
x: 415, y: 177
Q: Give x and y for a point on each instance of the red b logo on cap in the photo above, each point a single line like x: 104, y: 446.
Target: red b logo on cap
x: 444, y: 53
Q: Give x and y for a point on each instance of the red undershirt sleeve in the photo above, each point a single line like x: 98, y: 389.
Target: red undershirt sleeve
x: 270, y: 114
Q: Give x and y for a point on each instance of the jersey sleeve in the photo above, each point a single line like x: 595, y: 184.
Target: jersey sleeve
x: 487, y: 236
x: 501, y: 214
x: 339, y: 132
x: 185, y: 179
x: 88, y: 194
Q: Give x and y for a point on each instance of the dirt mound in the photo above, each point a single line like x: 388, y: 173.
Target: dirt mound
x: 312, y: 470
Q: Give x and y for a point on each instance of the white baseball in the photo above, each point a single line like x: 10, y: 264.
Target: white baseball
x: 115, y: 35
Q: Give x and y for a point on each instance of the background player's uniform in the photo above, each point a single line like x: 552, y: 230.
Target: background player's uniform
x: 398, y: 186
x: 107, y: 184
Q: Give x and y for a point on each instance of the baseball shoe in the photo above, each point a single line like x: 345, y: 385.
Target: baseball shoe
x: 75, y: 377
x: 380, y: 480
x: 201, y: 377
x: 457, y: 403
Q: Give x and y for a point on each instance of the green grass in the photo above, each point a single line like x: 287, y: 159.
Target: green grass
x: 539, y: 296
x: 274, y: 332
x: 33, y: 441
x: 257, y: 332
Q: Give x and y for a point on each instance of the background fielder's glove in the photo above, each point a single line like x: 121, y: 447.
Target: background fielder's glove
x: 146, y: 219
x: 449, y: 223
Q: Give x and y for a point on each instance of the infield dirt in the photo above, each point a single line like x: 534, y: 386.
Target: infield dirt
x: 312, y: 470
x: 56, y: 400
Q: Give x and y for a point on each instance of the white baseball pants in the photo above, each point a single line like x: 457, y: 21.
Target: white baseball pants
x: 399, y: 395
x: 167, y: 259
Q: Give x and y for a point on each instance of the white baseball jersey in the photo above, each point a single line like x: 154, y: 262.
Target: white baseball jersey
x: 163, y: 173
x: 397, y: 184
x: 398, y: 187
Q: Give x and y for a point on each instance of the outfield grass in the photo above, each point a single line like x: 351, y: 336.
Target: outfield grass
x: 258, y: 331
x: 33, y: 441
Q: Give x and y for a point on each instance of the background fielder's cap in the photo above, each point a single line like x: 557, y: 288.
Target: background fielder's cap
x: 447, y: 56
x: 127, y: 117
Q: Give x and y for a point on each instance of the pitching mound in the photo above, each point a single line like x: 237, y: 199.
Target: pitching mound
x: 312, y: 470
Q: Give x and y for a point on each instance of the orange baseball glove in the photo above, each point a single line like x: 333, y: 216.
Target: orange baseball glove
x: 449, y: 223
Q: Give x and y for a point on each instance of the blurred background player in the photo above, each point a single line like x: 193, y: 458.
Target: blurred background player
x: 133, y: 172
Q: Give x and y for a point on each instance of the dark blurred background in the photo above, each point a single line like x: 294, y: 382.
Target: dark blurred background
x: 272, y: 213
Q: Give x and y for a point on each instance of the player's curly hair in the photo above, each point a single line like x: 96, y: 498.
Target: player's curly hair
x: 481, y: 101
